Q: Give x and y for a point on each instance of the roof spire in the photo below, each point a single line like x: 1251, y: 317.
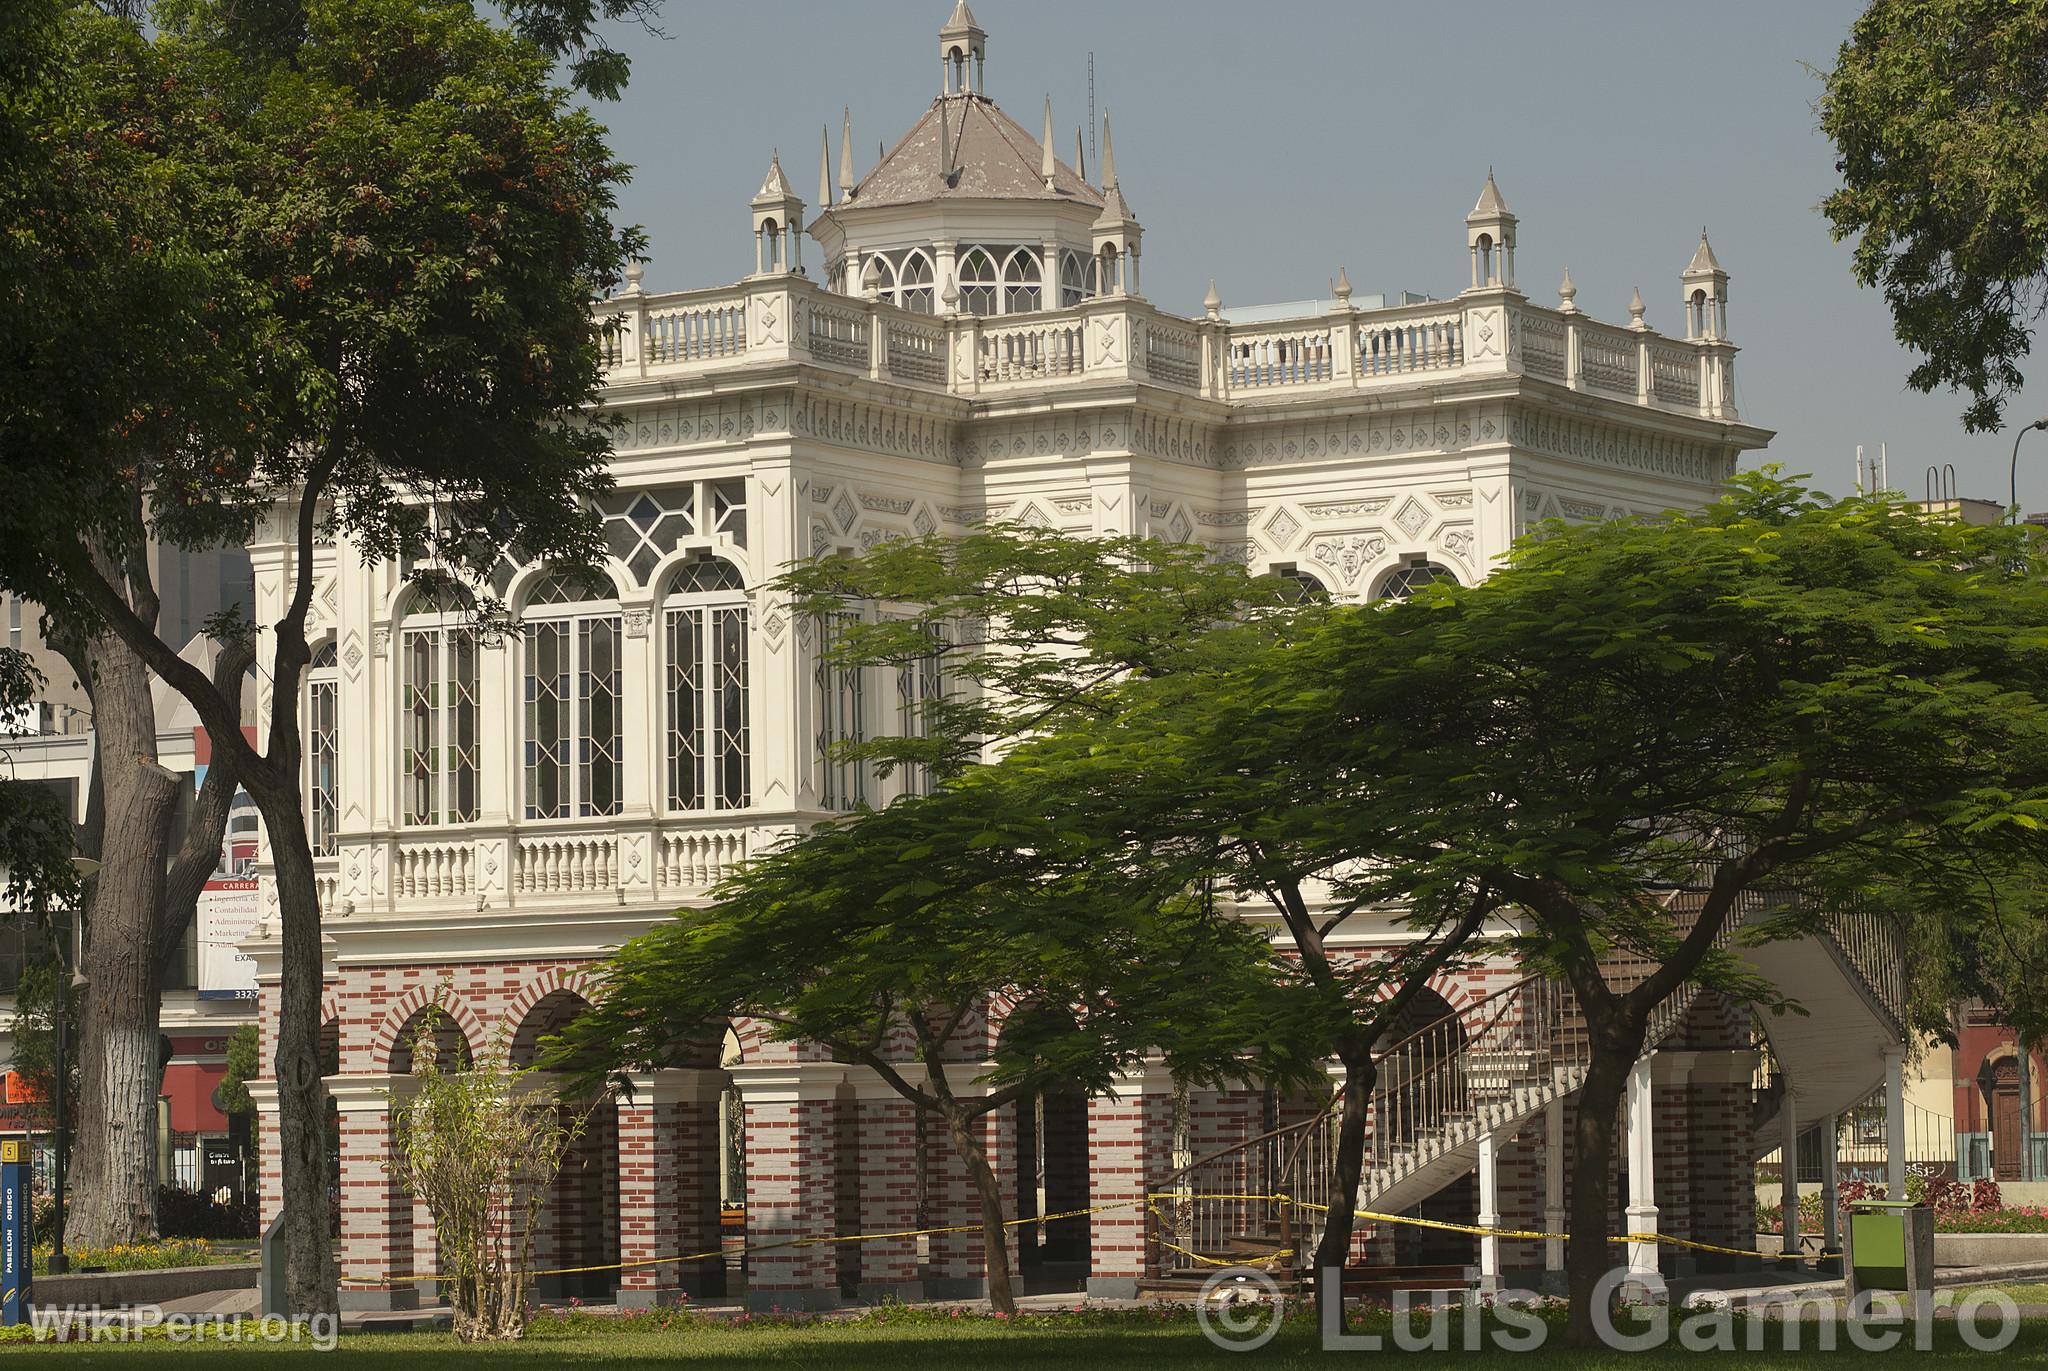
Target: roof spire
x: 1635, y: 310
x: 1108, y: 156
x: 1566, y: 294
x: 1212, y: 303
x: 1703, y: 263
x: 824, y: 166
x: 846, y: 154
x: 1048, y: 164
x: 1080, y: 156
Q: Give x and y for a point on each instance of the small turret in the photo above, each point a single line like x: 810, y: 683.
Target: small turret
x: 1490, y: 235
x: 1706, y: 293
x: 778, y: 224
x: 1117, y: 235
x: 963, y: 48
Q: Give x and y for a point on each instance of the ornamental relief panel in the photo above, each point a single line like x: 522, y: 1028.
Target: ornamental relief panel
x: 1347, y: 556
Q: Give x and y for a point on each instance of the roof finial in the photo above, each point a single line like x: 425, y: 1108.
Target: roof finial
x: 1566, y: 293
x: 1212, y: 303
x: 1080, y: 156
x: 1048, y: 165
x: 635, y: 271
x: 824, y: 166
x: 1343, y: 287
x: 1108, y: 156
x: 949, y: 294
x: 846, y: 153
x: 1635, y: 311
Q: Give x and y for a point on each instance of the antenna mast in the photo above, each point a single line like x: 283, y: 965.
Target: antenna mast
x: 1092, y: 155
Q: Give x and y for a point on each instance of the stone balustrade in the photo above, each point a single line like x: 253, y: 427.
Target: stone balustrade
x: 599, y: 860
x: 1119, y: 338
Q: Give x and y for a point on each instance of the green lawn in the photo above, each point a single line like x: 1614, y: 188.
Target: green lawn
x: 969, y: 1343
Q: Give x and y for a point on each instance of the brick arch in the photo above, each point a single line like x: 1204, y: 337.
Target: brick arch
x: 385, y: 1041
x: 581, y: 981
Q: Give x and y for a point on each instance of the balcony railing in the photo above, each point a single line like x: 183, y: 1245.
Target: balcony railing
x: 788, y: 319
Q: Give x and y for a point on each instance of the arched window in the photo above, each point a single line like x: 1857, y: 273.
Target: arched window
x: 915, y: 291
x: 1023, y: 281
x: 323, y: 684
x: 977, y: 283
x: 1074, y: 287
x: 705, y: 630
x: 920, y: 685
x: 1411, y: 576
x: 1304, y: 587
x: 437, y: 687
x: 573, y: 750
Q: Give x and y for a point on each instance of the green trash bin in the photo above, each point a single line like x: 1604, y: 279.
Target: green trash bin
x: 1891, y: 1246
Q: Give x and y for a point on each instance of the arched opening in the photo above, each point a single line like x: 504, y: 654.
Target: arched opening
x: 1302, y: 587
x: 578, y: 1223
x: 1410, y: 577
x: 1051, y: 1151
x: 1697, y: 318
x: 1484, y: 248
x: 1106, y: 281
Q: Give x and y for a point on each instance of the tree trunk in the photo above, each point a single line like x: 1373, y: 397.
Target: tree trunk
x: 114, y: 1168
x: 994, y: 1236
x: 310, y: 1278
x: 1334, y: 1251
x: 1588, y: 1254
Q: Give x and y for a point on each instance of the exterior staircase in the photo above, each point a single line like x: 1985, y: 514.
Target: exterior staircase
x: 1490, y: 1067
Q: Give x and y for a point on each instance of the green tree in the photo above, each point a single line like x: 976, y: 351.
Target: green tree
x: 1845, y: 701
x: 912, y: 922
x: 1936, y: 109
x: 322, y: 265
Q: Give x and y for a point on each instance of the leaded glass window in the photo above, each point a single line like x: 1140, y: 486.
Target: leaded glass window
x: 573, y: 749
x: 1074, y: 278
x: 437, y: 685
x: 642, y: 525
x: 840, y: 705
x: 1023, y: 281
x: 323, y: 683
x: 706, y: 623
x: 914, y: 285
x: 977, y: 283
x: 919, y: 683
x: 1411, y: 576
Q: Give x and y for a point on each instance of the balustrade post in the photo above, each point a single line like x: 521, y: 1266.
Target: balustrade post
x: 1644, y: 384
x: 878, y: 342
x: 1344, y: 346
x: 1489, y: 1213
x: 1214, y: 336
x: 1895, y: 1121
x: 1574, y: 364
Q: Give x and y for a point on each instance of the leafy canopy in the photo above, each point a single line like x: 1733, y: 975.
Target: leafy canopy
x: 1939, y: 112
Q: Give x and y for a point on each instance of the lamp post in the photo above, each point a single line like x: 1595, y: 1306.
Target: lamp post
x: 60, y: 1140
x: 2041, y: 423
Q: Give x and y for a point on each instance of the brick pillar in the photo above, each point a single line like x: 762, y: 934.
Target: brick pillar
x: 1674, y: 1159
x: 958, y: 1269
x: 269, y: 1154
x: 661, y: 1188
x: 376, y: 1214
x: 887, y: 1125
x: 1130, y: 1143
x: 792, y: 1176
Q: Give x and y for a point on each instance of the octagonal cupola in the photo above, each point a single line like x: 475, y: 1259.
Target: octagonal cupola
x: 968, y: 204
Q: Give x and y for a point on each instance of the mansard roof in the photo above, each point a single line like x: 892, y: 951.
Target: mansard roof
x: 993, y: 158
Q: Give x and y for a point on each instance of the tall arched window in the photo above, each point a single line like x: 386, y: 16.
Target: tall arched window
x: 915, y: 284
x: 573, y: 750
x: 1073, y: 278
x: 1023, y: 281
x: 839, y: 698
x: 705, y: 630
x: 878, y: 272
x: 1411, y: 576
x: 437, y: 686
x: 977, y: 283
x: 323, y: 685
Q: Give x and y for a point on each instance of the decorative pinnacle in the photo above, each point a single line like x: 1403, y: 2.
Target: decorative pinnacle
x: 635, y: 270
x: 1635, y: 310
x: 1566, y: 293
x: 1212, y: 303
x: 1343, y: 288
x: 824, y: 166
x: 1047, y: 165
x: 846, y: 153
x: 1108, y: 156
x: 949, y: 295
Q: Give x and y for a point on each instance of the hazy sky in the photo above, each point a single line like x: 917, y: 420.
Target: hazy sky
x: 1266, y: 144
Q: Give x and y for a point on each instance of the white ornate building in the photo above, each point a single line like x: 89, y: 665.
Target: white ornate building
x: 968, y: 340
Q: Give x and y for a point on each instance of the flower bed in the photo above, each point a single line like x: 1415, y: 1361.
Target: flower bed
x: 1959, y: 1207
x: 141, y: 1256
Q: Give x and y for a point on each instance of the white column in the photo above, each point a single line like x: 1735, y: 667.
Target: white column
x: 1830, y: 1183
x: 1489, y: 1212
x: 1895, y: 1122
x: 1553, y: 1189
x: 1788, y: 1169
x: 1642, y: 1167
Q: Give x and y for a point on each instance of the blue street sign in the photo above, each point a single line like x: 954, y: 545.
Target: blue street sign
x: 17, y: 1256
